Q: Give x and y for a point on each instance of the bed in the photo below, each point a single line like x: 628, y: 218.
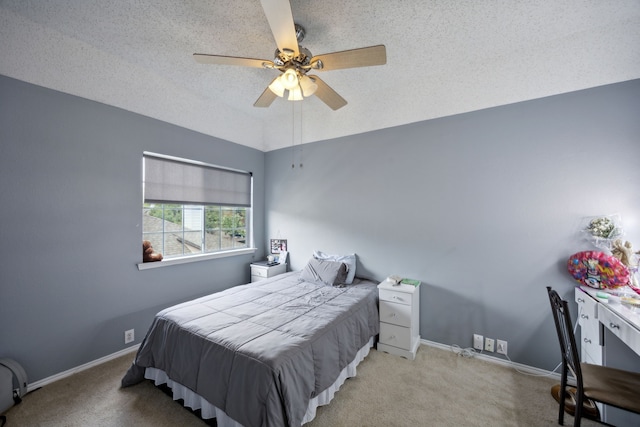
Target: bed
x: 262, y: 354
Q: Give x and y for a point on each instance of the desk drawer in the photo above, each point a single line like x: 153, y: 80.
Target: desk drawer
x: 587, y: 307
x: 590, y: 339
x: 397, y: 314
x: 620, y: 328
x: 590, y: 342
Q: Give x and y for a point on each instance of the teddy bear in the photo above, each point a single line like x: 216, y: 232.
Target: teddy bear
x: 624, y: 252
x: 147, y: 252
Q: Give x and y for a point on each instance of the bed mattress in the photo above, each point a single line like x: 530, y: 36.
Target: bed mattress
x: 196, y: 402
x: 261, y: 352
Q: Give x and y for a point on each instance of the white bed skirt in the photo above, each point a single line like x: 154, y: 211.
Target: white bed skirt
x: 195, y: 401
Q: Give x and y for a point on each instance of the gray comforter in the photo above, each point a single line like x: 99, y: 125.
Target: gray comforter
x: 260, y: 351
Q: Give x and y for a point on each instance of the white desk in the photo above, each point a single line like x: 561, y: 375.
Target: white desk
x: 622, y: 320
x: 610, y: 334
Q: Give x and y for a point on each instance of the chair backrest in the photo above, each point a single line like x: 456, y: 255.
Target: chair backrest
x: 570, y: 357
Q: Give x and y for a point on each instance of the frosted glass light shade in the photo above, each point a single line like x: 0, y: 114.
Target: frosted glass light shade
x: 308, y: 86
x: 289, y: 79
x: 276, y: 87
x: 295, y: 95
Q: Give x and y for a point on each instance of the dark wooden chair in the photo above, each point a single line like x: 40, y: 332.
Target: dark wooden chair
x: 611, y: 386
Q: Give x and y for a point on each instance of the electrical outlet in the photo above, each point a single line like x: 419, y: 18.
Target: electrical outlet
x: 129, y: 336
x: 477, y: 341
x: 488, y: 344
x: 502, y: 347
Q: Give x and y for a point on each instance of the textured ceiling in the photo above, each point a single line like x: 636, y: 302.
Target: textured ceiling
x: 443, y: 57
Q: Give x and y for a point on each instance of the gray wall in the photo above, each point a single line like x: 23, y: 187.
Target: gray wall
x: 484, y: 208
x: 70, y: 226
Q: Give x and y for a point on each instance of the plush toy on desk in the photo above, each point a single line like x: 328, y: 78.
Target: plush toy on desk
x: 625, y: 254
x: 147, y: 252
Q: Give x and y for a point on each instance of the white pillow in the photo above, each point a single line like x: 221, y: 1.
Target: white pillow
x: 349, y: 260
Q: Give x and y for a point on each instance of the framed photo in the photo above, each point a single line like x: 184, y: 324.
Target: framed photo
x: 278, y: 245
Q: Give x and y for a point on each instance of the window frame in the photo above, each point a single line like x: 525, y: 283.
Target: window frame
x: 183, y: 259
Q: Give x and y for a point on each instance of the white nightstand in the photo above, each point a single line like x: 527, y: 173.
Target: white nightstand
x: 261, y: 271
x: 399, y: 319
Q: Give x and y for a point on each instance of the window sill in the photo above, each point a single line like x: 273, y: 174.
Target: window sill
x: 194, y: 258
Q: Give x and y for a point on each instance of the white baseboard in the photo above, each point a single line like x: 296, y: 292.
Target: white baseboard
x: 524, y: 369
x: 81, y: 368
x: 517, y: 366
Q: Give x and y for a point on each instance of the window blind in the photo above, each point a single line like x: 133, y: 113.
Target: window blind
x: 170, y: 180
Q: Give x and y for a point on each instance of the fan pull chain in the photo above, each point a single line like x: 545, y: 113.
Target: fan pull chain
x: 301, y: 107
x: 293, y: 134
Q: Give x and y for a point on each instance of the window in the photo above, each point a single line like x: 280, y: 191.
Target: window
x: 192, y: 208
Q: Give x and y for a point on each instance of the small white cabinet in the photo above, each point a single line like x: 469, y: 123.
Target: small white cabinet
x: 261, y: 271
x: 399, y: 319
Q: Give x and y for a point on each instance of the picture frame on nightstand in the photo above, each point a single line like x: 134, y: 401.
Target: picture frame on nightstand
x: 278, y: 245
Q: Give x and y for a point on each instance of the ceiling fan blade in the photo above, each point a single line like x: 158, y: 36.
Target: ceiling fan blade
x: 363, y: 57
x: 265, y: 99
x: 328, y: 95
x: 232, y: 60
x: 280, y: 19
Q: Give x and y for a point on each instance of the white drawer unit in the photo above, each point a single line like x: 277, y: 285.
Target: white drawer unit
x: 399, y: 319
x: 590, y: 329
x: 620, y: 328
x: 261, y: 271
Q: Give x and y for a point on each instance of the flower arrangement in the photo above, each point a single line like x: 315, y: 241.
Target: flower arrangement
x: 602, y: 227
x: 601, y: 231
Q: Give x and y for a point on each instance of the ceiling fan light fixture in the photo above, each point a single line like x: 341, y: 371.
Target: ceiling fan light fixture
x: 289, y: 79
x: 295, y: 94
x: 294, y: 61
x: 276, y: 87
x: 307, y: 85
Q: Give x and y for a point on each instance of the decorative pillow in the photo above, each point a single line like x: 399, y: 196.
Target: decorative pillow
x: 326, y: 272
x: 349, y: 260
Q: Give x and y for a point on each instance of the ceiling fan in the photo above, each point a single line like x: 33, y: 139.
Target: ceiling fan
x: 294, y: 61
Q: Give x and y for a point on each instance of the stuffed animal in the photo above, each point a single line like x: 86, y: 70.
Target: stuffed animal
x: 624, y: 252
x: 147, y: 252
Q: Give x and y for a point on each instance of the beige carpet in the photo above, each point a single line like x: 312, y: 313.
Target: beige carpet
x: 439, y: 388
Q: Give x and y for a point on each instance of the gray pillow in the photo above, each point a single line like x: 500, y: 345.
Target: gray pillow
x: 349, y: 260
x: 324, y: 272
